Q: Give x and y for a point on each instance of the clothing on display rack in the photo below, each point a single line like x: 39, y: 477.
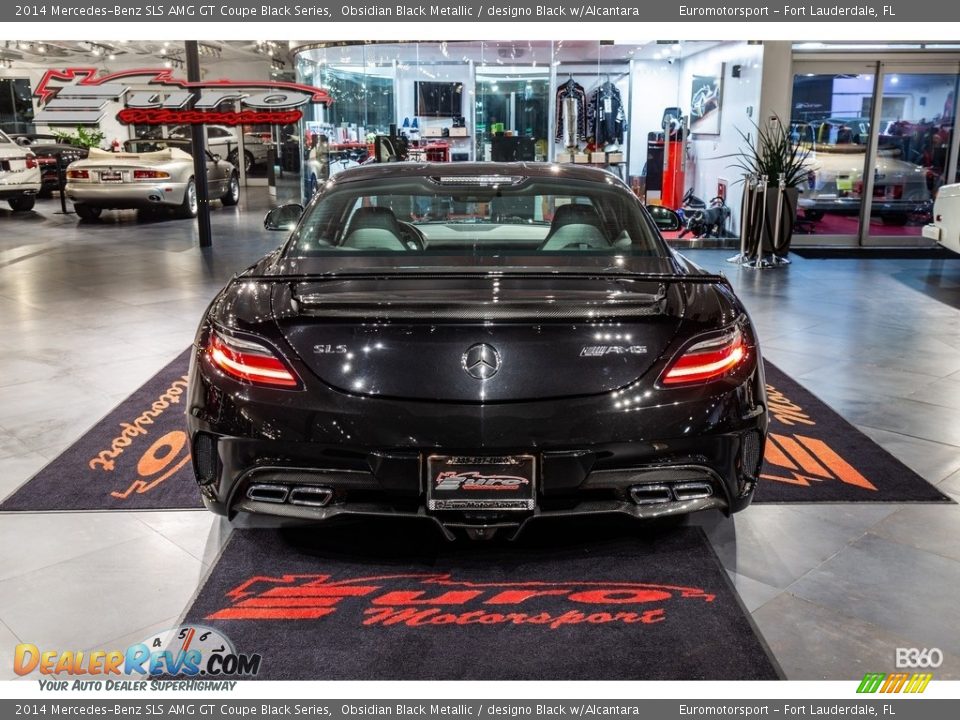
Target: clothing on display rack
x: 607, y: 119
x: 573, y: 91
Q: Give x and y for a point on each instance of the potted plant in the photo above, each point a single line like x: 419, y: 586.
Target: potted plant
x: 774, y: 154
x: 83, y: 137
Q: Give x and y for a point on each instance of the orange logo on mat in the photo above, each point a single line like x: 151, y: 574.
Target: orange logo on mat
x: 808, y: 460
x: 158, y: 462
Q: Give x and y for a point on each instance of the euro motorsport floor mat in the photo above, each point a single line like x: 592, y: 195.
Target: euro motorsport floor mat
x: 137, y: 457
x: 588, y: 602
x: 814, y: 455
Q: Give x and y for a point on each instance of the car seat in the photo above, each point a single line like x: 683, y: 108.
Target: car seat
x: 575, y: 226
x: 373, y: 228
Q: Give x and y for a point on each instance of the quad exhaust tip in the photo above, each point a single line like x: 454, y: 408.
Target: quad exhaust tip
x: 309, y: 495
x: 661, y: 493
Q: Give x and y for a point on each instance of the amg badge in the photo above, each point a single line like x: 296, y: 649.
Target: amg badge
x: 601, y: 350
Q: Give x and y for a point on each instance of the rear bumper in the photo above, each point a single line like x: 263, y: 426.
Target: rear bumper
x: 366, y: 456
x: 10, y: 192
x: 126, y: 196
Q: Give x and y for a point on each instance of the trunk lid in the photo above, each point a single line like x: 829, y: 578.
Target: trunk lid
x: 488, y: 338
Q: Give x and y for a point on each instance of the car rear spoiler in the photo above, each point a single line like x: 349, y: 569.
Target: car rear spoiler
x: 705, y: 278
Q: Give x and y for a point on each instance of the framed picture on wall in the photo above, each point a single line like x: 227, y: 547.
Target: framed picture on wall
x: 706, y: 96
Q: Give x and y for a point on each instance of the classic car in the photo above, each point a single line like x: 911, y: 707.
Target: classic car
x: 148, y: 174
x: 222, y: 140
x: 835, y: 183
x: 480, y: 345
x: 19, y: 175
x: 49, y: 151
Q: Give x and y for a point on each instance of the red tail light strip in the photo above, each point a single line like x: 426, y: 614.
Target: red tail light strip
x: 254, y: 364
x: 706, y: 361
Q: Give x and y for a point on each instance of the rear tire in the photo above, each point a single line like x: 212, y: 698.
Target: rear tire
x: 45, y: 193
x: 22, y: 204
x: 232, y: 196
x: 86, y: 212
x: 190, y: 206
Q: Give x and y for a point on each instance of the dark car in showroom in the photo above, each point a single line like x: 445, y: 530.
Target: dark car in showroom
x: 480, y: 345
x: 49, y: 151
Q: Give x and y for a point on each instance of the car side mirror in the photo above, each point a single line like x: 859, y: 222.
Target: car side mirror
x: 284, y: 217
x: 664, y: 218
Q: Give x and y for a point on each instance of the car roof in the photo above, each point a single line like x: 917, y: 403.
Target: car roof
x: 380, y: 171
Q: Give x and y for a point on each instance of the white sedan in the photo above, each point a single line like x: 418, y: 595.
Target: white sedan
x: 19, y: 175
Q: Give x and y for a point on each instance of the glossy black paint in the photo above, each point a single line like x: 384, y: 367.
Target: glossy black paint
x: 383, y: 388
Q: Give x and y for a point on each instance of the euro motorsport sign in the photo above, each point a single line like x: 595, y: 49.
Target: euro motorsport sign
x: 77, y: 96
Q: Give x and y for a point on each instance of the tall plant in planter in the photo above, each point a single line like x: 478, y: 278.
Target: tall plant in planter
x: 773, y: 154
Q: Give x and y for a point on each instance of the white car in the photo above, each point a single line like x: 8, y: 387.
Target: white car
x: 19, y: 175
x: 223, y: 141
x: 945, y: 228
x: 835, y: 182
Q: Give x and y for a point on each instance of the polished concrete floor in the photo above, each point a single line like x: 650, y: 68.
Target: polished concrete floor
x: 88, y: 312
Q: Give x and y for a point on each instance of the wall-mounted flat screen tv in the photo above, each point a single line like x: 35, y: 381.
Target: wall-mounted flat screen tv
x: 439, y: 99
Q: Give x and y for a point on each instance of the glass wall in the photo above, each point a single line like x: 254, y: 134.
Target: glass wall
x: 914, y: 137
x: 831, y: 119
x: 880, y: 145
x: 581, y: 102
x: 16, y: 107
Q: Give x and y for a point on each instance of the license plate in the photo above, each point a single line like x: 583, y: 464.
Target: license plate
x: 110, y: 177
x: 481, y: 483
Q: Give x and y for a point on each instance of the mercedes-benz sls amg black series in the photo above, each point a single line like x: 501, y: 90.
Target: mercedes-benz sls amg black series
x: 481, y: 345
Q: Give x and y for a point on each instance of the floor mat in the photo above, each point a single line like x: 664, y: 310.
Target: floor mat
x: 137, y: 457
x: 814, y: 455
x: 592, y: 603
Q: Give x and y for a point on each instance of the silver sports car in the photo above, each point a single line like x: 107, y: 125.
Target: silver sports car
x: 148, y: 174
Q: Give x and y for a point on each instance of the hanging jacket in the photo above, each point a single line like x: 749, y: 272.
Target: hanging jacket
x: 571, y: 90
x: 606, y: 115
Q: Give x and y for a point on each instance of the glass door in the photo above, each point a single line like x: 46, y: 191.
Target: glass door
x: 912, y: 137
x: 831, y: 107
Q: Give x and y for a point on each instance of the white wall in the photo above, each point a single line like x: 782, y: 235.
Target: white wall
x: 708, y: 157
x: 656, y: 86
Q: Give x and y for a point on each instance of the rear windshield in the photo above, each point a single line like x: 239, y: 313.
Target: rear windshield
x: 475, y: 216
x: 145, y: 146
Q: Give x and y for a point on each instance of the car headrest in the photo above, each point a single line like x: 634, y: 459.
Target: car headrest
x: 374, y: 218
x: 575, y: 214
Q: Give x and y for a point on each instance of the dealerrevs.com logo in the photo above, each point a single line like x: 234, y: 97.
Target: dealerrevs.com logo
x: 186, y: 652
x: 429, y: 600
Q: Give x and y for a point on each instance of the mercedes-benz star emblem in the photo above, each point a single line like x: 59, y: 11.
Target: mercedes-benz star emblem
x: 481, y: 361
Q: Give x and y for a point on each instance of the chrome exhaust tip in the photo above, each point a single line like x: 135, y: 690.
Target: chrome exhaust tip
x: 650, y: 494
x: 268, y: 493
x: 312, y: 496
x: 692, y: 490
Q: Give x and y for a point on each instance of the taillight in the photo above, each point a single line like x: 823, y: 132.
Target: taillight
x: 78, y: 174
x: 150, y: 175
x: 248, y: 361
x: 707, y: 360
x: 31, y: 161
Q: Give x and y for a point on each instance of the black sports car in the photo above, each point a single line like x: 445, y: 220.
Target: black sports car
x: 480, y: 345
x: 49, y: 150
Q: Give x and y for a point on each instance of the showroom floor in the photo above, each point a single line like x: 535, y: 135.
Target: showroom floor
x: 90, y: 312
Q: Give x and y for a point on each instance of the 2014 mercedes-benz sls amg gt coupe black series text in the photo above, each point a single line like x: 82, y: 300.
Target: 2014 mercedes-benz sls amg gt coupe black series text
x: 480, y: 345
